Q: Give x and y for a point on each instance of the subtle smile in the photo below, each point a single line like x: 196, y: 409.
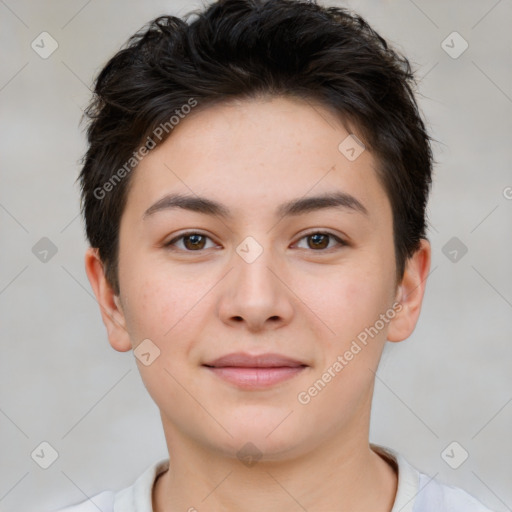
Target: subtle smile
x: 255, y: 371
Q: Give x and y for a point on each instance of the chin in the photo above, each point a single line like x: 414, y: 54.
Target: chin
x: 261, y: 442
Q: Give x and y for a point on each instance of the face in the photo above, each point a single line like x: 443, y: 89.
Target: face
x: 284, y: 284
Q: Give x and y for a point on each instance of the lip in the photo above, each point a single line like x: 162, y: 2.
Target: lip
x: 244, y: 360
x: 258, y: 371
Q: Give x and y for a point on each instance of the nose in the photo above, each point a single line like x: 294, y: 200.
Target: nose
x: 255, y: 294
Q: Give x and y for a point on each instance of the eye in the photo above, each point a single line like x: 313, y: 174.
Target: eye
x: 320, y: 240
x: 192, y: 241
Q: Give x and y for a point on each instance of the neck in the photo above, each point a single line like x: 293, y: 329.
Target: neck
x: 336, y: 475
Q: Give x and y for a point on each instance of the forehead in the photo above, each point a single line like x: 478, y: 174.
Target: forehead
x: 254, y: 153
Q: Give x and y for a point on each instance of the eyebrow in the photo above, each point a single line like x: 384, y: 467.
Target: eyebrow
x: 340, y: 200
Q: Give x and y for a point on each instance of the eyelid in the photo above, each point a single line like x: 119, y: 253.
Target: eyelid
x: 174, y: 239
x: 318, y: 231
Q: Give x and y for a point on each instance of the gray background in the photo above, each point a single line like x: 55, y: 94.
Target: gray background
x: 62, y: 383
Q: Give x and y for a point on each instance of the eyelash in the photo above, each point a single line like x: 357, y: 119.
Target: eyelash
x: 341, y: 242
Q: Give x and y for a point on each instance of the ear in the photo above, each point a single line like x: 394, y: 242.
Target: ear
x: 110, y: 304
x: 410, y: 293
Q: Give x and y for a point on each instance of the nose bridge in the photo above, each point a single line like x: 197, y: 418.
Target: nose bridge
x: 253, y: 262
x: 254, y: 293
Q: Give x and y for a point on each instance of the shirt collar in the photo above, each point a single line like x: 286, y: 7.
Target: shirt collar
x: 408, y: 479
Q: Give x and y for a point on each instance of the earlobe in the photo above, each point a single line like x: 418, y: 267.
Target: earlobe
x: 110, y: 305
x: 410, y: 293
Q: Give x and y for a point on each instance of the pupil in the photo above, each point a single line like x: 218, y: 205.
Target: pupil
x: 194, y: 240
x: 316, y: 237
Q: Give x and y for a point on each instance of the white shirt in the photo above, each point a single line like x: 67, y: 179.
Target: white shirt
x: 416, y: 492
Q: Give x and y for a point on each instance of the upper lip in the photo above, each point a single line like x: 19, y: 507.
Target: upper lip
x: 243, y: 360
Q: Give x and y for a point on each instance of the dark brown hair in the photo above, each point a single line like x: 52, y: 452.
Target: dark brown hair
x: 236, y: 49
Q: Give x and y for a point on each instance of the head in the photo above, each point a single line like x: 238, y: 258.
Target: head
x: 293, y: 133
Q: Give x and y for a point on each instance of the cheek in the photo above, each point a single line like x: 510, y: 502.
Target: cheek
x: 170, y: 311
x: 158, y: 312
x: 154, y: 298
x: 352, y: 292
x: 350, y: 298
x: 151, y: 311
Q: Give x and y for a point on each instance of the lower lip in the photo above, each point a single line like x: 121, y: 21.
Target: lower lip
x: 256, y: 378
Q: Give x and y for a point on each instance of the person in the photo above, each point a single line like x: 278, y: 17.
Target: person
x: 254, y: 194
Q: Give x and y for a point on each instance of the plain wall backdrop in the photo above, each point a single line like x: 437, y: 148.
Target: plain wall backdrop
x: 61, y: 382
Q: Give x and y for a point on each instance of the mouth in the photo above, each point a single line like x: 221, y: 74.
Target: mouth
x: 255, y: 371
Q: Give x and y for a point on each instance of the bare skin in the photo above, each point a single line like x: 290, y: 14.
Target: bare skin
x: 303, y: 297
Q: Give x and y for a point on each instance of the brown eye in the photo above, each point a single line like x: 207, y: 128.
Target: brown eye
x: 319, y: 241
x: 191, y: 242
x: 194, y: 241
